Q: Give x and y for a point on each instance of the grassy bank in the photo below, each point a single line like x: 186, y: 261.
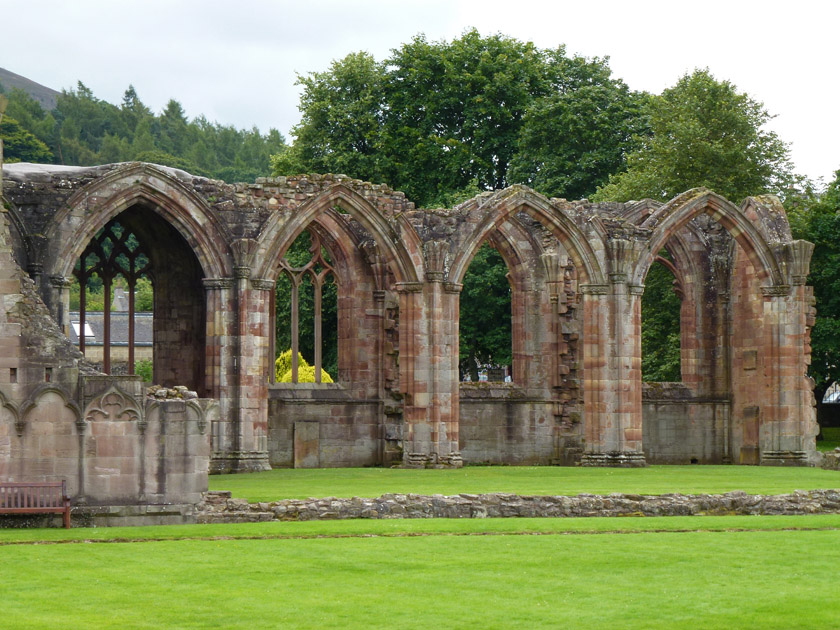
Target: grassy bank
x: 373, y: 482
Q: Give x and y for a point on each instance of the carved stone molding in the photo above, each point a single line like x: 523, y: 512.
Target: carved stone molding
x: 217, y: 283
x: 776, y: 290
x: 263, y: 284
x: 594, y: 289
x: 113, y: 404
x: 408, y: 287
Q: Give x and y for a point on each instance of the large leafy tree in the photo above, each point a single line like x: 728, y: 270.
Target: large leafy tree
x: 341, y: 120
x: 455, y: 109
x: 485, y: 322
x: 704, y: 132
x: 572, y: 140
x: 816, y: 218
x: 436, y: 118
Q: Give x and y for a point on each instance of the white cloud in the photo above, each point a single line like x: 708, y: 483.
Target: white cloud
x: 235, y: 62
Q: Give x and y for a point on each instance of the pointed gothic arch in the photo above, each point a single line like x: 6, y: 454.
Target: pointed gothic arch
x: 499, y: 209
x: 396, y: 239
x: 93, y: 206
x: 668, y: 219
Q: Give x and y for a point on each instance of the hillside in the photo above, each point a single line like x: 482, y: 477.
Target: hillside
x: 41, y: 93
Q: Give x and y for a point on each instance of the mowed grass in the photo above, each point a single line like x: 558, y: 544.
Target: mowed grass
x: 767, y: 577
x: 529, y: 480
x: 831, y: 439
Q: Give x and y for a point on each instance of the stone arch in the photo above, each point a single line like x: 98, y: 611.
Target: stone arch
x: 21, y: 243
x: 668, y: 219
x: 502, y: 240
x: 113, y: 404
x: 515, y: 200
x: 50, y: 437
x: 139, y: 184
x: 637, y: 211
x: 9, y: 426
x: 347, y: 264
x: 42, y: 390
x: 396, y: 238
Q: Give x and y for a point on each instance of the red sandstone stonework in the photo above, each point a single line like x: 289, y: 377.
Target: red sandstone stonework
x: 577, y: 273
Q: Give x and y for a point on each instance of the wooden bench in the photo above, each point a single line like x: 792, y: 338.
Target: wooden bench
x: 47, y: 497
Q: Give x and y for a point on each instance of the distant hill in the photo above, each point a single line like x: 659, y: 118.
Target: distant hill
x: 41, y: 93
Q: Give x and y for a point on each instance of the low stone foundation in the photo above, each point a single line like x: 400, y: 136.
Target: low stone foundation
x: 108, y: 516
x: 221, y: 508
x: 831, y: 460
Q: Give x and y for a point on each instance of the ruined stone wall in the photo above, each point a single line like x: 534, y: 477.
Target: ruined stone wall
x: 681, y: 428
x: 577, y: 274
x: 118, y: 449
x: 221, y: 508
x: 500, y: 425
x: 312, y: 426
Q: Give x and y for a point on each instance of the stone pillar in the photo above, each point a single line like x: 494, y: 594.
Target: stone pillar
x: 612, y: 366
x: 599, y: 436
x: 788, y: 419
x: 60, y: 302
x: 429, y: 373
x: 250, y: 374
x: 219, y: 364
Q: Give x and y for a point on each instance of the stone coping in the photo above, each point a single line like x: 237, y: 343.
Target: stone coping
x: 219, y: 507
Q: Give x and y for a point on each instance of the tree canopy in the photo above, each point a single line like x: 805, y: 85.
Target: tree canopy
x: 438, y: 118
x: 84, y: 130
x: 816, y: 217
x: 485, y: 329
x: 703, y: 132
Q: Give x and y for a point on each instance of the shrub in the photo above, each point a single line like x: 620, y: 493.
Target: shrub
x: 306, y: 372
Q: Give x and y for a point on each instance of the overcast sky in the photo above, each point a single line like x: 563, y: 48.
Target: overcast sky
x: 235, y: 61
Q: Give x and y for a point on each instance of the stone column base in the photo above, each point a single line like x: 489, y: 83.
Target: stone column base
x: 614, y: 459
x: 239, y: 461
x: 433, y: 460
x: 784, y: 458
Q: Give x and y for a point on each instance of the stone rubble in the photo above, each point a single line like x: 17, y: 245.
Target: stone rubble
x: 219, y: 507
x: 831, y: 460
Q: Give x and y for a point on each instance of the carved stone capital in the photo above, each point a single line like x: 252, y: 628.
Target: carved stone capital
x: 452, y: 287
x: 437, y: 256
x: 408, y: 287
x: 263, y: 284
x: 776, y: 290
x: 241, y: 272
x: 60, y: 282
x: 594, y: 289
x: 217, y: 283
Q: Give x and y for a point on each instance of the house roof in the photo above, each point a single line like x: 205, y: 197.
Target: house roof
x: 94, y: 321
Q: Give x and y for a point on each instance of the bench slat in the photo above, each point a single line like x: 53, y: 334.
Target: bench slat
x: 35, y: 498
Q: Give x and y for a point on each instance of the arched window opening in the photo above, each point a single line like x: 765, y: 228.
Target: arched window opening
x: 306, y: 314
x: 115, y: 271
x: 661, y: 305
x: 485, y: 349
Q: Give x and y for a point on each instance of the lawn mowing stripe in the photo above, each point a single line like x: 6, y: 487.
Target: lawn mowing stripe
x: 593, y: 532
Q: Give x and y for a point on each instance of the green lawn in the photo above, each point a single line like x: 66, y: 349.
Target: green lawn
x: 831, y: 439
x: 372, y: 482
x: 360, y: 575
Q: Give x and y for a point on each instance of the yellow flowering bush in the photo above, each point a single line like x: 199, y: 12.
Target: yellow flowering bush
x: 306, y: 372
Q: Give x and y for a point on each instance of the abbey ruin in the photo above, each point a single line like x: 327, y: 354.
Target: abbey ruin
x: 215, y: 252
